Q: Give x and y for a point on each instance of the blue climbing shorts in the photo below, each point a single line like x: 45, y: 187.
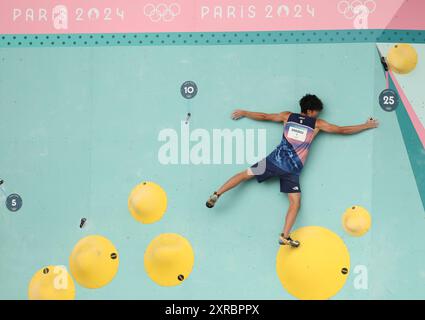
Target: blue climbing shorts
x: 264, y: 170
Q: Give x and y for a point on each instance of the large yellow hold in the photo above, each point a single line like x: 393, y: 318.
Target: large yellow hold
x: 51, y: 283
x: 402, y: 58
x: 318, y: 268
x: 147, y: 202
x: 169, y: 259
x: 356, y: 221
x: 94, y: 262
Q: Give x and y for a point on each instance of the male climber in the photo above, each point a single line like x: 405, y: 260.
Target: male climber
x: 288, y: 159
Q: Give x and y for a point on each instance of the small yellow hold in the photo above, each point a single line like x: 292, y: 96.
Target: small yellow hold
x: 402, y: 58
x: 169, y: 259
x: 356, y: 221
x: 94, y: 262
x: 318, y: 268
x: 51, y: 283
x: 147, y: 202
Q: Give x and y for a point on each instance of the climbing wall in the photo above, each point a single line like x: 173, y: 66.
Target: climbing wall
x: 81, y: 146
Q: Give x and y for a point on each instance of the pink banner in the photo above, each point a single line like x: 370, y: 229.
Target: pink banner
x: 109, y: 16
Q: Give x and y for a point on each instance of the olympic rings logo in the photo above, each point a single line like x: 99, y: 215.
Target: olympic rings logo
x: 353, y: 8
x: 162, y: 11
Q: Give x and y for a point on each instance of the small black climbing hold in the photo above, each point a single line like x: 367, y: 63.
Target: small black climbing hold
x: 46, y: 270
x: 113, y: 255
x: 344, y: 270
x: 1, y: 182
x: 83, y: 222
x: 180, y: 277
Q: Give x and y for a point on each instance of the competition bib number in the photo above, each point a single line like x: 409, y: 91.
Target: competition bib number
x: 297, y: 133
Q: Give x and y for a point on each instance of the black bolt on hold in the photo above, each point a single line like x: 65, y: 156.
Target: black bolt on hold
x: 113, y: 256
x: 1, y: 182
x: 353, y: 208
x: 344, y: 270
x: 82, y: 222
x: 144, y: 183
x: 180, y: 277
x: 46, y: 270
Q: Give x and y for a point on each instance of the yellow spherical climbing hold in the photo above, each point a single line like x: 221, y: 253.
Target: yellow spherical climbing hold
x: 147, y: 202
x: 51, y: 283
x: 356, y: 221
x: 402, y: 58
x: 318, y: 268
x: 94, y: 262
x: 169, y: 259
